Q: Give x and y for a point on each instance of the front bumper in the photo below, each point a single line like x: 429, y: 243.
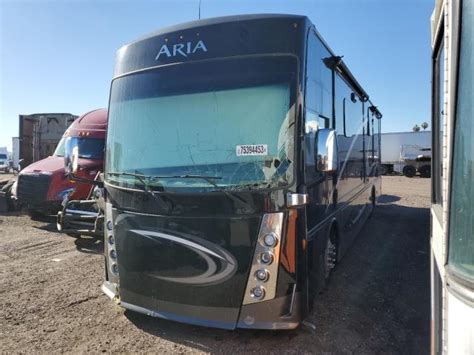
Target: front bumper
x: 263, y: 315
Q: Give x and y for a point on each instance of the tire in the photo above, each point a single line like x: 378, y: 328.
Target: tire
x: 330, y: 255
x: 383, y: 169
x: 425, y: 171
x: 34, y: 214
x: 409, y: 171
x: 373, y: 201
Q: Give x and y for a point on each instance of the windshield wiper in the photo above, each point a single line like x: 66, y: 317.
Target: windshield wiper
x: 146, y: 185
x: 210, y: 180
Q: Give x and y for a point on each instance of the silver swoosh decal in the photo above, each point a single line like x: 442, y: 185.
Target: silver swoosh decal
x: 176, y: 239
x: 211, y: 275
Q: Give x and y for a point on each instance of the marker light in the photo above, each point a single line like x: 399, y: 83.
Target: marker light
x: 266, y: 258
x: 111, y: 240
x: 262, y: 275
x: 270, y: 240
x: 113, y: 254
x: 109, y: 225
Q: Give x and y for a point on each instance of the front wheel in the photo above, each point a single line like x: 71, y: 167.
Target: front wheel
x: 409, y: 171
x: 35, y: 214
x: 330, y: 255
x: 383, y: 169
x: 425, y: 171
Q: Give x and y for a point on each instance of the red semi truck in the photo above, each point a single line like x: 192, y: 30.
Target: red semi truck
x: 43, y: 185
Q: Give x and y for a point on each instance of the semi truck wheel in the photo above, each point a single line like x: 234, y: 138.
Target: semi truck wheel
x: 35, y: 214
x: 425, y: 171
x: 409, y: 171
x: 383, y: 169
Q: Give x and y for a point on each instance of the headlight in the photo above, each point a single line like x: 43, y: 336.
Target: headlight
x: 265, y: 262
x: 114, y: 269
x: 14, y: 188
x: 266, y: 257
x: 258, y: 292
x: 270, y: 240
x: 261, y: 275
x: 98, y: 192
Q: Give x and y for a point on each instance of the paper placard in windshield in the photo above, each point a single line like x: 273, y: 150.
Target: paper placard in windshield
x: 251, y: 149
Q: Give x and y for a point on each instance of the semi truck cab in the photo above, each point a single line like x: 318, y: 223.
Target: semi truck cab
x: 43, y: 185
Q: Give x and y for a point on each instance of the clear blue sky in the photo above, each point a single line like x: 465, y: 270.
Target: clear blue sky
x: 58, y: 56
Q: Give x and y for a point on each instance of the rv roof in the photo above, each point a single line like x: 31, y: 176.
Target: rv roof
x: 214, y: 21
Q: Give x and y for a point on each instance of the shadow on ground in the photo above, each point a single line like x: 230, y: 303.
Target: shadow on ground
x: 388, y: 199
x: 89, y: 245
x: 378, y: 300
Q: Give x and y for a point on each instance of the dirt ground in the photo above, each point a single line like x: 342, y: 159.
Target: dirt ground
x: 377, y: 302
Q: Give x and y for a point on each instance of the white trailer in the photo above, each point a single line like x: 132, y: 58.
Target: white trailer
x: 4, y: 160
x: 15, y: 152
x: 400, y: 147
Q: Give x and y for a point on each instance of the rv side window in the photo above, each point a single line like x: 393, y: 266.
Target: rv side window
x: 350, y: 129
x: 318, y: 100
x: 349, y: 113
x: 318, y: 78
x: 369, y: 147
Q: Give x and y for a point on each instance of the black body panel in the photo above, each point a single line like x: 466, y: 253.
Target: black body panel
x: 190, y: 264
x: 223, y: 37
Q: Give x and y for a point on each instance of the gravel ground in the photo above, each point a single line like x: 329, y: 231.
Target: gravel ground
x: 6, y: 176
x: 377, y: 301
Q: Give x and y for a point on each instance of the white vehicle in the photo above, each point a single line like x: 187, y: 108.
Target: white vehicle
x: 452, y: 210
x: 16, y: 153
x: 4, y: 161
x: 397, y: 147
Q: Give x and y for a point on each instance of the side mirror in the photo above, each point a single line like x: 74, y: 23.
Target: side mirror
x: 71, y: 157
x: 326, y: 150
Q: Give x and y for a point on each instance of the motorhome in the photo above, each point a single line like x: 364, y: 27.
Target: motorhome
x: 240, y: 165
x: 452, y: 209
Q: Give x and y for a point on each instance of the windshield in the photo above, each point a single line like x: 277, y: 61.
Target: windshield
x: 89, y: 148
x: 228, y: 120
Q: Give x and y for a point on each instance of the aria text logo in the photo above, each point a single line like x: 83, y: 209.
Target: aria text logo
x: 181, y: 49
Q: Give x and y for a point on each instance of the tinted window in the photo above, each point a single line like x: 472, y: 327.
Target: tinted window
x: 231, y: 120
x: 89, y: 148
x: 461, y: 232
x: 350, y: 139
x: 319, y: 78
x: 318, y: 99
